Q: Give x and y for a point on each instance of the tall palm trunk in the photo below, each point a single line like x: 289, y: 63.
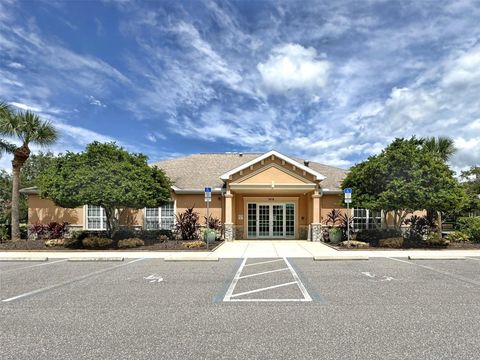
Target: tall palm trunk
x: 20, y: 156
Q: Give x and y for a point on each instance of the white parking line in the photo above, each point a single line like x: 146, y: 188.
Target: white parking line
x: 263, y: 289
x: 54, y: 286
x: 32, y: 266
x: 454, y: 276
x: 472, y: 258
x: 302, y: 288
x: 263, y: 262
x: 229, y: 292
x: 230, y: 296
x: 262, y: 273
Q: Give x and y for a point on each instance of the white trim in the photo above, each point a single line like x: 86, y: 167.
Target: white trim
x: 295, y: 163
x: 303, y: 179
x: 270, y: 204
x: 273, y: 186
x: 103, y: 225
x: 160, y: 215
x: 195, y: 191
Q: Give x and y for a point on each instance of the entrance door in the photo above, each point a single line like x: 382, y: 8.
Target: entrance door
x: 268, y: 221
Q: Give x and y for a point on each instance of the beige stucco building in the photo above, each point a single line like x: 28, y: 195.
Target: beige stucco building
x: 256, y: 196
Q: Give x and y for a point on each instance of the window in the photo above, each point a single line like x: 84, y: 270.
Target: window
x: 162, y: 217
x: 96, y: 218
x: 366, y: 219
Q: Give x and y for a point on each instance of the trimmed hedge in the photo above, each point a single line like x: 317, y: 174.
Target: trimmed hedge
x: 96, y: 242
x: 130, y: 243
x: 373, y: 236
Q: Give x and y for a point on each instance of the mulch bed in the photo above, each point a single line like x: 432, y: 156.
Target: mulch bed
x: 451, y: 246
x: 170, y: 245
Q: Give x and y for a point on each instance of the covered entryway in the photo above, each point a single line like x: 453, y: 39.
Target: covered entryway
x: 270, y: 220
x: 271, y: 197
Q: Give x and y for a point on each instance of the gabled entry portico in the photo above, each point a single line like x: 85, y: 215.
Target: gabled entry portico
x: 271, y: 197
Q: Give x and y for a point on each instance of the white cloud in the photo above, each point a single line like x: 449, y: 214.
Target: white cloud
x: 464, y: 70
x: 16, y: 65
x: 94, y: 101
x: 23, y: 106
x: 292, y: 66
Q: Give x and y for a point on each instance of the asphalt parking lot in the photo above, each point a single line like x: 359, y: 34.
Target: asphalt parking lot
x: 290, y: 309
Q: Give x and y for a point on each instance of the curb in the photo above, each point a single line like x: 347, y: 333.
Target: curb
x: 192, y: 258
x: 438, y: 257
x: 24, y: 259
x: 340, y: 258
x: 79, y: 259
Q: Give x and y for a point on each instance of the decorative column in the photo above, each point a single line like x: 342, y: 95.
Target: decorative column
x: 316, y: 221
x: 229, y: 229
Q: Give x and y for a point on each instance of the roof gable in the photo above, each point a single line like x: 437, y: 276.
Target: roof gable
x: 273, y: 153
x: 272, y: 173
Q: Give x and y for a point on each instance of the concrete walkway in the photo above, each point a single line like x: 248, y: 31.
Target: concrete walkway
x: 241, y: 249
x: 273, y: 249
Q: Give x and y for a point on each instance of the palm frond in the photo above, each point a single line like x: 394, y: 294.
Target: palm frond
x: 6, y: 147
x: 5, y: 109
x: 30, y: 128
x: 441, y: 146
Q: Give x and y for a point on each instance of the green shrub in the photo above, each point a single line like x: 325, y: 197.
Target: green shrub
x: 123, y: 234
x: 96, y: 242
x: 457, y: 236
x: 4, y: 236
x: 470, y: 226
x: 151, y: 237
x: 434, y: 239
x: 77, y: 236
x: 130, y: 243
x: 373, y: 236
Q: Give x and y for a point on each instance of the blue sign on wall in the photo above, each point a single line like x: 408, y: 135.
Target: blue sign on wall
x: 208, y: 189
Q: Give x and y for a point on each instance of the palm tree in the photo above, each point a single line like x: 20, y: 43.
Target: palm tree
x: 5, y: 147
x: 441, y: 146
x: 28, y: 128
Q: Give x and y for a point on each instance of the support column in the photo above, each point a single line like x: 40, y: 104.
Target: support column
x: 229, y: 229
x: 316, y: 221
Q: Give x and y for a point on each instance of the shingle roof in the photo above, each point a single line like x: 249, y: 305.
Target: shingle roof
x: 199, y: 170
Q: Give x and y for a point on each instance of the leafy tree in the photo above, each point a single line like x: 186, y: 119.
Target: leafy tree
x: 105, y: 175
x: 442, y: 146
x: 471, y: 184
x: 28, y: 128
x: 403, y: 178
x: 33, y: 167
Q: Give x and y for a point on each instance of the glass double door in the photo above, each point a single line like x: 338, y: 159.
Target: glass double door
x: 271, y: 220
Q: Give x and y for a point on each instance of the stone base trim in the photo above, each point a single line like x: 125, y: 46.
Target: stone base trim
x: 229, y: 232
x: 316, y: 232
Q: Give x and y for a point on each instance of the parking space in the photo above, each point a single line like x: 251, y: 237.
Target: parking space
x: 149, y: 308
x: 266, y: 280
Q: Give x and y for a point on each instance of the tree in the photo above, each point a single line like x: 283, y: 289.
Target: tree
x: 471, y: 184
x: 442, y: 146
x: 28, y: 128
x: 105, y: 175
x: 403, y: 178
x: 33, y: 167
x: 5, y: 146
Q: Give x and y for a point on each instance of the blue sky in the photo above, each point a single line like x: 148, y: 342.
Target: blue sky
x: 331, y: 81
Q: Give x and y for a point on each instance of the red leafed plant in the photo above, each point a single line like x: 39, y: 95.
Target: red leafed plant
x: 52, y: 230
